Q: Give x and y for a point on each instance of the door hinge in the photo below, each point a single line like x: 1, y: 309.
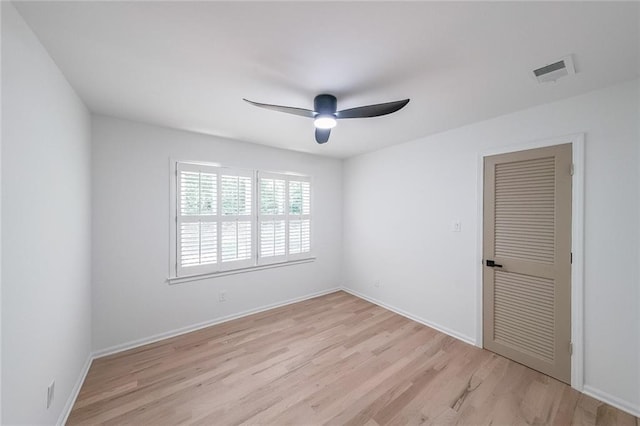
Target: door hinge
x: 572, y: 169
x: 572, y: 258
x: 570, y: 348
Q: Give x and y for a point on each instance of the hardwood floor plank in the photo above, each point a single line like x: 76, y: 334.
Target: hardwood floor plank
x: 334, y: 359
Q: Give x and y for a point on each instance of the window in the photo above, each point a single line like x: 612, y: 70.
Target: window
x: 224, y: 221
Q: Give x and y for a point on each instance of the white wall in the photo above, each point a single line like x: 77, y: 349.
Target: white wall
x: 399, y: 204
x: 131, y: 298
x: 46, y: 300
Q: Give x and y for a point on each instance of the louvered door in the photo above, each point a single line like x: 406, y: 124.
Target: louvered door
x: 527, y: 255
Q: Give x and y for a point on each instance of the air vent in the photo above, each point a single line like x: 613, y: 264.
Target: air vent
x: 555, y: 70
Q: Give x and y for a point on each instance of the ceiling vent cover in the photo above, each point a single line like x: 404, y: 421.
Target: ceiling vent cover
x: 555, y: 70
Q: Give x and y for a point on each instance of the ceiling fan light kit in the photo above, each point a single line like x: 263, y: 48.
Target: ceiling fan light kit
x: 325, y: 121
x: 324, y: 112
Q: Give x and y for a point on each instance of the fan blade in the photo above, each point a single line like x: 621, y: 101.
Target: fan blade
x: 372, y: 110
x: 322, y: 135
x: 290, y: 110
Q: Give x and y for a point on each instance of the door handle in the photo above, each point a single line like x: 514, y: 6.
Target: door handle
x: 493, y: 264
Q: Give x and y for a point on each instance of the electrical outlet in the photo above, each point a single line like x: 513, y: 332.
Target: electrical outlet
x: 376, y: 283
x: 222, y: 296
x: 51, y: 393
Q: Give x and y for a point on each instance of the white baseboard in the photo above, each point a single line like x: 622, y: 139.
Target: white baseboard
x: 614, y: 401
x: 415, y: 318
x: 74, y: 392
x: 177, y: 332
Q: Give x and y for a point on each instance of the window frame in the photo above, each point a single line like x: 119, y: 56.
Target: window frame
x: 178, y: 273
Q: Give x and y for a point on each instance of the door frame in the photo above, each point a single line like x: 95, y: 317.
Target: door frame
x: 577, y: 244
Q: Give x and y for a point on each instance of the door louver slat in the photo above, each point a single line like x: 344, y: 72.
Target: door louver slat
x: 521, y: 320
x: 517, y: 215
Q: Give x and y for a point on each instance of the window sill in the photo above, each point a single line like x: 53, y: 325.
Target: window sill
x: 178, y: 280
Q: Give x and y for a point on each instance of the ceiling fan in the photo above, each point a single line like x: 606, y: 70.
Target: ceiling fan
x: 324, y: 112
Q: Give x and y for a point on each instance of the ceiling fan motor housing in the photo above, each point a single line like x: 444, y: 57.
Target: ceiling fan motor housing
x: 325, y: 104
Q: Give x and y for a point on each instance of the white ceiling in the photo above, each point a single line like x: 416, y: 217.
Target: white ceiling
x: 188, y: 65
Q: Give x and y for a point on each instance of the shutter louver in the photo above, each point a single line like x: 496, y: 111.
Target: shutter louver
x: 198, y: 193
x: 272, y: 238
x: 267, y: 238
x: 214, y: 222
x: 294, y: 237
x: 306, y: 197
x: 305, y: 236
x: 236, y: 241
x: 236, y: 195
x: 208, y: 194
x: 208, y: 243
x: 189, y: 193
x: 272, y: 196
x: 198, y: 243
x: 190, y: 244
x: 299, y: 236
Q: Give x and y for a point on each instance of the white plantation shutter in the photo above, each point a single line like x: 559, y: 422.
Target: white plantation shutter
x: 215, y: 219
x: 237, y: 219
x: 299, y: 195
x: 284, y: 217
x: 272, y: 218
x: 197, y: 219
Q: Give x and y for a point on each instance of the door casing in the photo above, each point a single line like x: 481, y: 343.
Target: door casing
x: 577, y: 245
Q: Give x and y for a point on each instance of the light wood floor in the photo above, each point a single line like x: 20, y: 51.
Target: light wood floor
x: 334, y: 359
